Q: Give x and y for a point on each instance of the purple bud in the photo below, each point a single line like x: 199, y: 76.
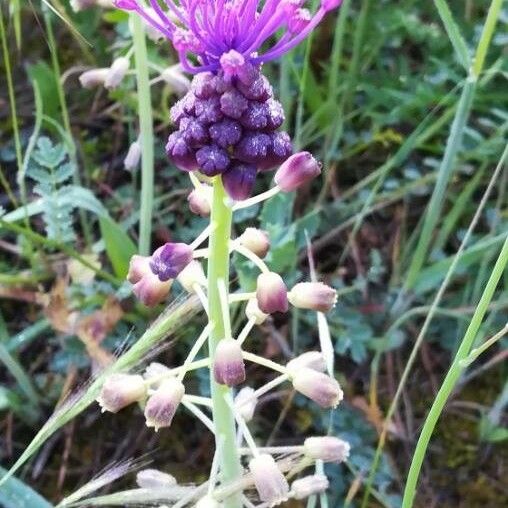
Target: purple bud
x: 239, y: 181
x: 313, y: 295
x: 271, y: 293
x: 279, y: 149
x: 309, y: 486
x: 180, y: 153
x: 193, y: 132
x: 275, y: 114
x: 162, y: 405
x: 228, y: 367
x: 121, y: 390
x: 253, y: 147
x: 226, y: 133
x: 203, y: 85
x: 326, y: 448
x: 296, y: 171
x: 170, y: 259
x: 270, y: 483
x: 233, y: 104
x: 146, y: 285
x: 321, y: 388
x: 177, y: 112
x: 256, y: 240
x: 255, y: 117
x: 189, y: 103
x: 212, y: 160
x: 259, y: 90
x: 208, y: 110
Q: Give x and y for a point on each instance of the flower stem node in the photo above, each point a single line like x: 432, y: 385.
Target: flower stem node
x: 311, y: 359
x: 121, y: 390
x: 208, y: 502
x: 170, y: 259
x: 256, y: 240
x: 321, y: 388
x: 297, y: 170
x: 200, y: 200
x: 253, y: 312
x: 147, y: 287
x: 245, y: 403
x: 116, y: 72
x: 309, y: 486
x: 271, y: 293
x: 270, y: 483
x: 229, y: 367
x: 327, y: 449
x: 154, y: 479
x: 161, y: 406
x: 313, y: 295
x: 191, y: 275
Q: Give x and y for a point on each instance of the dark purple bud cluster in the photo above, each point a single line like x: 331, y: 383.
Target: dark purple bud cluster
x: 227, y: 125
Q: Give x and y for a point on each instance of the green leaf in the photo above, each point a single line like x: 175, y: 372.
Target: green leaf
x: 42, y: 74
x: 15, y: 494
x: 119, y: 247
x: 47, y: 154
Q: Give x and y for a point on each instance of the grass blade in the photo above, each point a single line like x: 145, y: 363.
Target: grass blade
x: 458, y: 43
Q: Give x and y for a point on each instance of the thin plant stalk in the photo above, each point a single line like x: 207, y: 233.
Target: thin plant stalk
x: 146, y: 135
x: 452, y: 377
x: 218, y: 270
x: 12, y: 100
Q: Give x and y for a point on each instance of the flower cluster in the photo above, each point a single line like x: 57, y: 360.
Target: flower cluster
x: 228, y: 127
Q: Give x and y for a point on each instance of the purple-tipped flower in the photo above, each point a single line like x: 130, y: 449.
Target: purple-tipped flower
x: 228, y: 366
x: 170, y: 259
x: 270, y: 483
x: 321, y: 388
x: 271, y: 293
x: 121, y: 390
x: 162, y: 405
x: 313, y: 295
x: 296, y: 171
x: 147, y: 287
x: 326, y: 448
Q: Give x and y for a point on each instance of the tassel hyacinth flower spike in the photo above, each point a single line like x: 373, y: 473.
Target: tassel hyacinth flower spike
x: 226, y: 132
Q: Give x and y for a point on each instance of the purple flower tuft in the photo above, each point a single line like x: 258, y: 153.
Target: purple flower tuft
x: 230, y: 34
x: 233, y: 104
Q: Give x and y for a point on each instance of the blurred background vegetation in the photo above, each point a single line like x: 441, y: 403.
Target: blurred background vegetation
x: 373, y: 93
